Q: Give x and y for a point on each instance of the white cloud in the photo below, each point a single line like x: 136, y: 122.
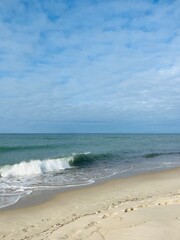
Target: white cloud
x: 111, y: 61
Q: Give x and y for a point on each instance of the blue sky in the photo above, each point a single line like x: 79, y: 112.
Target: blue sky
x: 89, y: 66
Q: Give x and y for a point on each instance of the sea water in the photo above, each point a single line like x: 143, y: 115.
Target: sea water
x: 32, y: 162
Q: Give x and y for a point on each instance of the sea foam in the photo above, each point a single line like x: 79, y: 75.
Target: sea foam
x: 35, y: 167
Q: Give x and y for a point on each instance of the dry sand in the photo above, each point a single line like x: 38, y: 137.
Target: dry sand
x: 141, y: 207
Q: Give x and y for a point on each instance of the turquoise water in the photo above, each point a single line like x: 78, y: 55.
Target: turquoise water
x: 29, y: 162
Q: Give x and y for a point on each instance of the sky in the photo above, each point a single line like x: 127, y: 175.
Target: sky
x: 89, y: 66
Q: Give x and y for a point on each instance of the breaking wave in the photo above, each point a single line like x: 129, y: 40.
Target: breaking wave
x: 34, y: 167
x: 85, y: 159
x: 38, y: 167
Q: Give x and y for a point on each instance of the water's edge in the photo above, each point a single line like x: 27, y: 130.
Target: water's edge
x: 39, y: 197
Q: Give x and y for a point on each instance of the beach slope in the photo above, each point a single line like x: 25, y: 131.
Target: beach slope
x: 146, y: 206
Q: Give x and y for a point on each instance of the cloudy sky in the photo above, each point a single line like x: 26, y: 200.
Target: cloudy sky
x: 89, y: 66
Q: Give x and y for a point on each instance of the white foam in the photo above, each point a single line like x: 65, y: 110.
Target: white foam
x: 6, y: 201
x: 35, y: 167
x: 84, y: 153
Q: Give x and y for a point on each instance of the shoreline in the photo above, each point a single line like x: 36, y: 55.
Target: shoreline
x: 79, y: 213
x: 38, y: 197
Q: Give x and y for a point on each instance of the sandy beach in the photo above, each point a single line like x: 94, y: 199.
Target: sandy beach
x: 146, y: 206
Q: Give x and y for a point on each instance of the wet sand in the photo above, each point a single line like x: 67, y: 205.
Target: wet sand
x: 146, y: 206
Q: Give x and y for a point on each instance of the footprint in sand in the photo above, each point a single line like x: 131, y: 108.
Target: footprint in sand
x: 104, y: 216
x: 90, y: 225
x: 129, y: 209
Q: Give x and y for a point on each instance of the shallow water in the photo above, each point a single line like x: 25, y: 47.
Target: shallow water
x: 29, y: 162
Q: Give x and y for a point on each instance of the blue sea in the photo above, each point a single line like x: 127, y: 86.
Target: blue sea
x: 32, y: 162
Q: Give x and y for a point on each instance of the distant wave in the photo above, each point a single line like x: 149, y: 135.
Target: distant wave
x: 38, y: 167
x: 18, y: 148
x: 152, y: 155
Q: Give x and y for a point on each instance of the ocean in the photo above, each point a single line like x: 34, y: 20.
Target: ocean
x: 32, y: 162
